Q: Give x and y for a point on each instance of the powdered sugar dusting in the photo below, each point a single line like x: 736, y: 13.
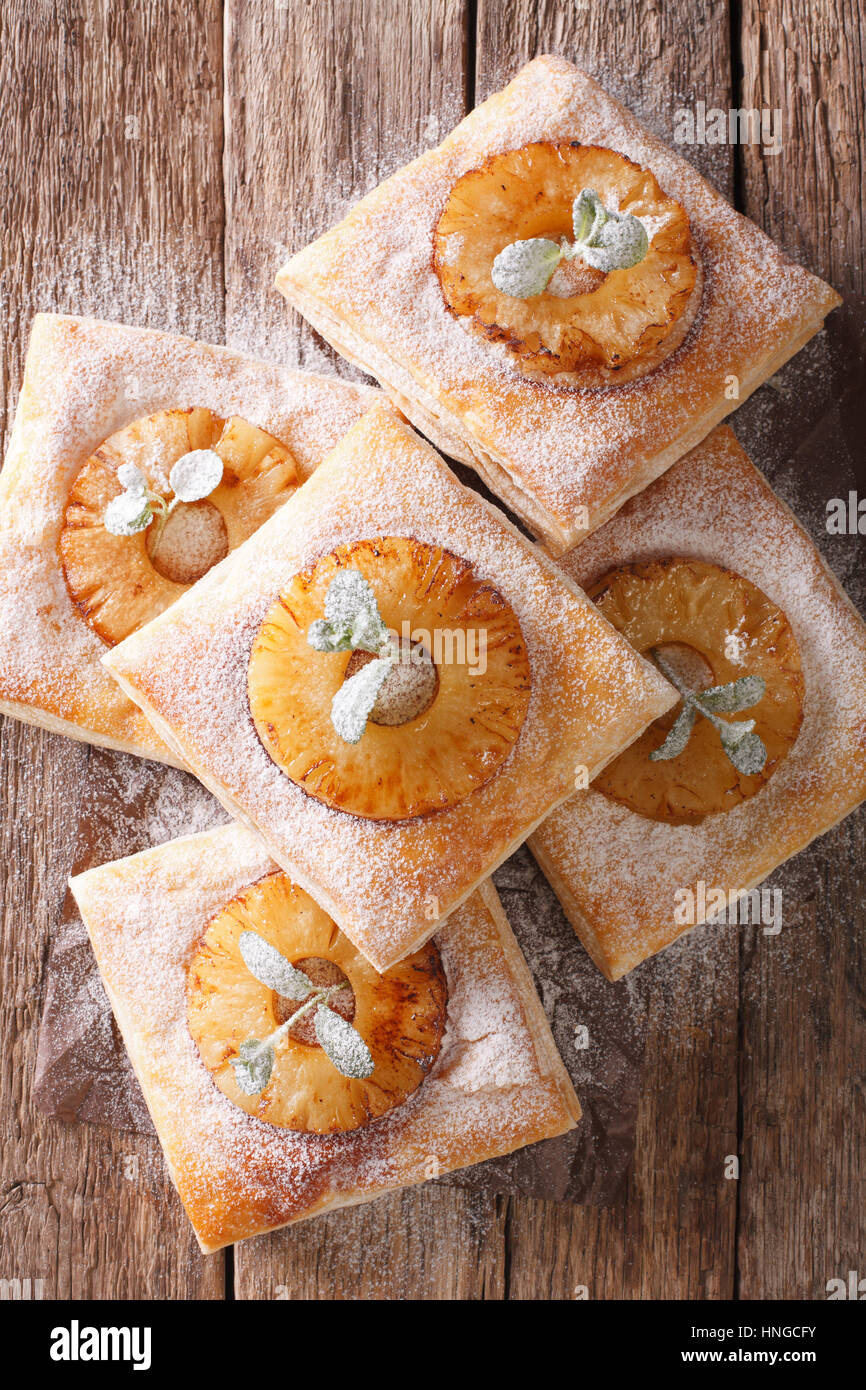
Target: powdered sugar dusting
x: 488, y: 1092
x: 370, y: 286
x: 622, y: 870
x: 378, y: 880
x: 84, y: 380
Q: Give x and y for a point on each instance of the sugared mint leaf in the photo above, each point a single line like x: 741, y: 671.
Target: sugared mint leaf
x: 678, y: 735
x: 349, y: 593
x: 741, y: 745
x: 369, y: 633
x: 326, y: 637
x: 343, y: 1044
x: 524, y: 268
x: 350, y: 605
x: 351, y: 621
x: 733, y: 731
x: 747, y: 753
x: 605, y: 239
x: 128, y: 514
x: 195, y: 475
x: 737, y: 695
x: 253, y: 1066
x: 271, y: 968
x: 351, y: 706
x: 588, y: 216
x: 131, y: 478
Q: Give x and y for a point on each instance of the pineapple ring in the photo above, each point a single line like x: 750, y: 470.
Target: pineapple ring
x: 400, y: 1015
x: 455, y: 745
x: 614, y: 320
x: 736, y: 630
x: 112, y: 579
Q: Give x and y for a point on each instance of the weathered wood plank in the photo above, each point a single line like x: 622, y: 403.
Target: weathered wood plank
x: 803, y: 1213
x: 673, y: 1234
x: 431, y: 1243
x: 110, y: 143
x: 323, y: 101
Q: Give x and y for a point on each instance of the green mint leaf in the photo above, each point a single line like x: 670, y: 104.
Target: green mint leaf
x: 737, y: 695
x: 605, y: 239
x: 678, y: 735
x: 732, y: 732
x: 343, y: 1044
x: 351, y: 706
x: 739, y: 741
x: 748, y: 754
x: 349, y: 594
x: 253, y: 1066
x: 266, y: 964
x: 588, y: 216
x: 524, y: 268
x: 195, y: 475
x: 128, y: 514
x: 325, y: 637
x: 369, y: 633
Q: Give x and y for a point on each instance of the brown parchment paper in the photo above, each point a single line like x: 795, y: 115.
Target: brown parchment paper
x: 83, y: 1074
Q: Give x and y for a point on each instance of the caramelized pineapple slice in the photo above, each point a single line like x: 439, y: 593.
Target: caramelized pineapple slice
x: 712, y: 626
x: 400, y: 1015
x: 608, y: 319
x: 120, y: 582
x: 454, y: 745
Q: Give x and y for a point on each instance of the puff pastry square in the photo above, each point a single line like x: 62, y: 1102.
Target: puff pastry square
x: 84, y: 380
x: 497, y: 1085
x: 616, y: 872
x: 388, y: 883
x: 548, y: 451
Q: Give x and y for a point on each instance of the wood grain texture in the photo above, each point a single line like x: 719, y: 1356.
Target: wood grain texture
x: 803, y: 1190
x: 673, y: 1234
x: 110, y: 146
x: 425, y: 1244
x: 323, y: 101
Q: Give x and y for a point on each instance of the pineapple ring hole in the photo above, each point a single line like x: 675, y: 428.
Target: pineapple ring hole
x: 410, y: 687
x: 688, y: 664
x: 191, y: 541
x: 324, y: 974
x: 574, y: 278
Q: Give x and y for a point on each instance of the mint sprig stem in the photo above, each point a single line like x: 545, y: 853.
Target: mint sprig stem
x: 741, y: 745
x: 193, y: 477
x: 255, y: 1062
x: 321, y: 996
x: 342, y: 1043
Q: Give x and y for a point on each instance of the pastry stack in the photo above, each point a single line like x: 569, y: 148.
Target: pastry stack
x: 270, y: 579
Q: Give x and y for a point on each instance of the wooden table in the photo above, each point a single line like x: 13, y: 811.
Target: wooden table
x: 159, y: 159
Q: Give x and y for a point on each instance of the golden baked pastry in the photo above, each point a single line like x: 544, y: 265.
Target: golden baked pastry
x: 631, y: 883
x: 388, y: 883
x: 87, y: 386
x: 564, y: 459
x: 497, y: 1083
